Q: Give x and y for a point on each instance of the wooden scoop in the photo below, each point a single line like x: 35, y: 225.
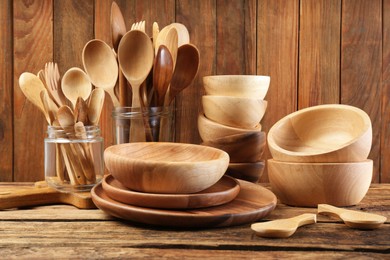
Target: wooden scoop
x: 283, y: 228
x: 352, y: 218
x: 42, y: 194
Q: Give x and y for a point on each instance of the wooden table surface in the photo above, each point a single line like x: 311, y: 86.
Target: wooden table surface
x: 61, y: 231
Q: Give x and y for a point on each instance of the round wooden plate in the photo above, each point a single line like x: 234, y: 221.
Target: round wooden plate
x: 224, y: 191
x: 251, y: 204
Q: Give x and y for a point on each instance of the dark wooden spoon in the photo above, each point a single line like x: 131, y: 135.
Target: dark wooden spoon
x: 162, y: 73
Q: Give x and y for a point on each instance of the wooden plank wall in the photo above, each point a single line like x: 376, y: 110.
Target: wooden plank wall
x: 316, y: 52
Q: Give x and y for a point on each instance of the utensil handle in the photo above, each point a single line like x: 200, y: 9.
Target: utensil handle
x: 305, y: 219
x: 329, y: 209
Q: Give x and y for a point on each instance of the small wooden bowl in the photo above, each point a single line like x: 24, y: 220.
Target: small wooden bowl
x: 234, y: 111
x: 309, y: 184
x: 166, y: 167
x: 246, y: 171
x: 210, y: 130
x: 243, y: 148
x: 324, y: 133
x: 252, y: 86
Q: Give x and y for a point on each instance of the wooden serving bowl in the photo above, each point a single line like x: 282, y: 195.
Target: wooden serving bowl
x: 210, y: 130
x: 239, y: 112
x: 309, y: 184
x: 166, y: 167
x: 243, y: 148
x: 252, y: 86
x: 324, y: 133
x: 246, y: 171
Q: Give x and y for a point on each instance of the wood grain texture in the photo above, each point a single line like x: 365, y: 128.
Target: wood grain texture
x: 361, y: 64
x: 200, y: 19
x: 385, y: 109
x: 319, y: 52
x: 236, y: 37
x: 277, y: 56
x: 6, y: 127
x: 32, y: 48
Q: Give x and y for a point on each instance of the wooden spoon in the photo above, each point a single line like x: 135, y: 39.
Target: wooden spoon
x: 186, y: 68
x: 283, y: 228
x: 168, y: 37
x: 352, y: 218
x: 75, y: 83
x: 162, y: 73
x: 135, y: 55
x: 81, y: 111
x: 95, y: 105
x: 101, y: 66
x: 118, y: 25
x: 32, y: 87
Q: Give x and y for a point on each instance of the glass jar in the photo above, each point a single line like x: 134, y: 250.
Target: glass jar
x: 74, y: 158
x: 149, y: 124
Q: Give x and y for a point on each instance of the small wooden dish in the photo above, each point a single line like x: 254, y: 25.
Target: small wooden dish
x: 253, y: 86
x: 324, y: 133
x: 210, y: 130
x: 252, y: 203
x: 243, y: 148
x: 224, y: 191
x: 234, y: 111
x: 309, y: 184
x: 166, y: 167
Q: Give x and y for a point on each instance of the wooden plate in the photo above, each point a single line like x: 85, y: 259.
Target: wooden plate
x: 251, y: 204
x: 224, y: 191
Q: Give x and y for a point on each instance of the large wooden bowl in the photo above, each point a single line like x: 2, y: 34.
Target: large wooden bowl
x: 252, y: 86
x: 324, y: 133
x: 210, y: 130
x: 246, y: 147
x: 246, y: 171
x: 309, y: 184
x: 234, y: 111
x: 166, y: 167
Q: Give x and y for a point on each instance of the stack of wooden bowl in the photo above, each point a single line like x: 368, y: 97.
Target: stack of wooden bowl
x: 177, y: 185
x: 233, y: 108
x: 320, y: 156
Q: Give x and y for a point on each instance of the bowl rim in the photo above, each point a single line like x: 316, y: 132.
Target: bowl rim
x: 364, y: 162
x: 273, y: 145
x: 241, y: 76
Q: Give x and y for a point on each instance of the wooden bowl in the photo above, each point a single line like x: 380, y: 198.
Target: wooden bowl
x: 234, y: 111
x: 166, y: 167
x: 210, y: 130
x: 246, y: 147
x: 252, y: 86
x: 246, y: 171
x: 324, y: 133
x: 309, y: 184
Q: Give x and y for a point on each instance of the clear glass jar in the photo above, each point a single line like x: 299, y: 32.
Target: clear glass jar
x: 74, y: 158
x: 149, y: 124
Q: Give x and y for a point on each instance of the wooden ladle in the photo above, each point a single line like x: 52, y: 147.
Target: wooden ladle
x: 352, y: 218
x: 187, y: 65
x: 100, y: 63
x: 75, y: 83
x: 283, y: 228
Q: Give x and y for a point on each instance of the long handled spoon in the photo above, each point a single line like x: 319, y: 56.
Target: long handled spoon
x: 32, y: 87
x: 283, y: 228
x: 352, y: 218
x: 187, y: 65
x: 95, y: 105
x: 101, y: 66
x: 162, y: 73
x: 75, y: 83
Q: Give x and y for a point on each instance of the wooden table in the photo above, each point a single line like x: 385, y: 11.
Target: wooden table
x: 62, y: 231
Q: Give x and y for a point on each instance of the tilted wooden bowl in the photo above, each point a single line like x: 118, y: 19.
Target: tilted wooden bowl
x: 210, y: 130
x: 246, y: 147
x: 234, y: 111
x: 166, y: 167
x: 309, y: 184
x: 246, y: 171
x: 252, y: 86
x: 324, y: 133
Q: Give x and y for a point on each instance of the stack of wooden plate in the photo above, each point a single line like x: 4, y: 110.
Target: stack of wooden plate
x: 178, y: 185
x: 233, y: 108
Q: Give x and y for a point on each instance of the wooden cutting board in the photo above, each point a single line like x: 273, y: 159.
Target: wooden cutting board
x: 41, y: 194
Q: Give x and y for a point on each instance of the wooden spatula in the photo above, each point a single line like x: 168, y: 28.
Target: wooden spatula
x: 42, y: 194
